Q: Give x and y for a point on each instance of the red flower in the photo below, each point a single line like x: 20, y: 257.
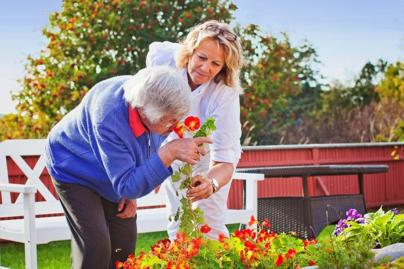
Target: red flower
x: 266, y: 223
x: 192, y: 123
x: 205, y: 229
x: 279, y: 260
x: 245, y: 234
x: 222, y: 237
x: 311, y: 263
x: 252, y: 221
x: 249, y: 245
x: 179, y: 129
x: 291, y: 253
x: 193, y: 248
x: 180, y: 237
x: 309, y: 242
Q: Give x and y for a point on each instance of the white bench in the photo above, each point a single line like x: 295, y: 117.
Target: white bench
x: 32, y: 230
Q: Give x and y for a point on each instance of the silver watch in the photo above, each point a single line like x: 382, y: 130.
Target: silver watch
x: 215, y: 184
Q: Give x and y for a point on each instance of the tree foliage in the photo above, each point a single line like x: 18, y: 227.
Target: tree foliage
x: 352, y: 113
x: 391, y: 112
x: 89, y: 41
x: 280, y: 85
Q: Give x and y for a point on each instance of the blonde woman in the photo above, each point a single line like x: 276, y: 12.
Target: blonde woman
x: 210, y: 58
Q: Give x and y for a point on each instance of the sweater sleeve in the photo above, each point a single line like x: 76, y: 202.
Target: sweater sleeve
x: 130, y: 177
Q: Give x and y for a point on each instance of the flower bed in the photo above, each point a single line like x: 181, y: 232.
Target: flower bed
x: 258, y: 247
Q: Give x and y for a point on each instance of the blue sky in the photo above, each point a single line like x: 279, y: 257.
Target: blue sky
x: 345, y: 33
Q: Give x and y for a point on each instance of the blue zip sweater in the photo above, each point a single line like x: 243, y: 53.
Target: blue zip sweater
x: 94, y: 146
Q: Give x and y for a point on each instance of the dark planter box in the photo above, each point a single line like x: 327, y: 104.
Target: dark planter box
x: 307, y: 216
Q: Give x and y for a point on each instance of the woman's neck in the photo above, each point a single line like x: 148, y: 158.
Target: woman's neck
x: 191, y: 83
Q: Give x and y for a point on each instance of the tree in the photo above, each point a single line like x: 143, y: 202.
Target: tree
x: 391, y: 110
x: 364, y: 91
x: 347, y: 113
x: 89, y: 41
x: 280, y: 86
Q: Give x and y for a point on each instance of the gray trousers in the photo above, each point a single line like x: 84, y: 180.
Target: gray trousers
x: 100, y: 238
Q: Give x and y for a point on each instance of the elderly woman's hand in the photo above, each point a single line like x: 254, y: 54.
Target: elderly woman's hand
x: 127, y: 208
x: 186, y: 150
x: 201, y: 188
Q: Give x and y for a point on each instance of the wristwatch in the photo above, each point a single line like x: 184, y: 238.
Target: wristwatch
x: 215, y: 184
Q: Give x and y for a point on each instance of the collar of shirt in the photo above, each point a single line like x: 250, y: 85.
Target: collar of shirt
x: 136, y: 125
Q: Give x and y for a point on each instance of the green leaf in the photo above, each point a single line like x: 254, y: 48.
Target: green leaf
x: 207, y: 128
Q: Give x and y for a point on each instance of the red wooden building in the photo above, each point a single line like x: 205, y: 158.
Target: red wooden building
x: 380, y: 189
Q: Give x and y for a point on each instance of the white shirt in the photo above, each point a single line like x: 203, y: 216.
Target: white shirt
x: 215, y: 100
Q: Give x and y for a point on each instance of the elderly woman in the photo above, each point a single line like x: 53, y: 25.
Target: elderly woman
x: 106, y: 152
x: 210, y: 59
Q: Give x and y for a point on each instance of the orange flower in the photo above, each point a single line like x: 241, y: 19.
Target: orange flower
x: 192, y: 123
x: 242, y: 257
x: 179, y: 129
x: 311, y: 263
x: 118, y: 264
x: 279, y: 260
x: 160, y: 248
x: 252, y: 221
x: 182, y: 265
x: 222, y: 237
x: 180, y: 237
x: 205, y: 229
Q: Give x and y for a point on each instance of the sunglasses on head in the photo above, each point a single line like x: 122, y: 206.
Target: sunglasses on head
x: 219, y: 31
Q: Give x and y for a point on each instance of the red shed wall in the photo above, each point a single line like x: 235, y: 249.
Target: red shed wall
x: 380, y: 189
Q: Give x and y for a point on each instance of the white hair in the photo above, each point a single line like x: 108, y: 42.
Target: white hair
x: 159, y: 91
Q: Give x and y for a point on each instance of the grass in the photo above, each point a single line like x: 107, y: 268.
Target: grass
x: 57, y: 254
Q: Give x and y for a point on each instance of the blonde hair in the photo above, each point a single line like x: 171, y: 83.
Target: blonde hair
x: 230, y: 73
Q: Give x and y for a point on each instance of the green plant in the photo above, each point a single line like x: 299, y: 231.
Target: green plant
x: 190, y: 217
x: 333, y: 253
x: 379, y: 228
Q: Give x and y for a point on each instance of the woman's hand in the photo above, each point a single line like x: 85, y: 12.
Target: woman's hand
x: 201, y: 188
x: 186, y: 150
x: 127, y: 208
